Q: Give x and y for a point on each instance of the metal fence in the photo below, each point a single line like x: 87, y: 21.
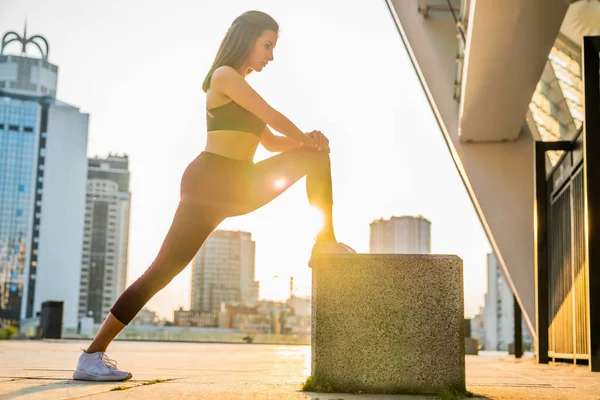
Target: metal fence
x: 567, y: 277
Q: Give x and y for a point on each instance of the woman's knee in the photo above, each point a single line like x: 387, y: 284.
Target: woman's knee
x: 314, y: 155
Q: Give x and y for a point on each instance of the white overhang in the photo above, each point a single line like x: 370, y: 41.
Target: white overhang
x: 507, y: 45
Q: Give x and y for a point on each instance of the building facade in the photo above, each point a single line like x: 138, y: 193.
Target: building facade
x: 106, y: 236
x: 145, y: 317
x: 223, y: 272
x: 498, y: 312
x: 401, y: 235
x: 200, y: 319
x: 43, y: 163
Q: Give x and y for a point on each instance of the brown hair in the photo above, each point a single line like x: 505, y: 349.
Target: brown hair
x: 239, y: 40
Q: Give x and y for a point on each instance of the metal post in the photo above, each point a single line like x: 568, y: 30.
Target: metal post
x: 541, y: 244
x: 518, y: 329
x: 591, y: 165
x: 541, y: 252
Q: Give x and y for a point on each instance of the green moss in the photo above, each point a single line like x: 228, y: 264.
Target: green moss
x: 454, y: 394
x: 319, y: 387
x: 152, y: 382
x: 323, y: 387
x: 120, y: 388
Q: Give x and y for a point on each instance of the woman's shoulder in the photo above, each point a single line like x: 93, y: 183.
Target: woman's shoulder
x: 224, y: 72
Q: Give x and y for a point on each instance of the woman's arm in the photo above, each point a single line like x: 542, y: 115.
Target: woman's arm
x: 228, y: 81
x: 275, y: 143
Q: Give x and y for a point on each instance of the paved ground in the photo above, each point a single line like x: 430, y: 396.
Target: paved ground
x: 42, y: 370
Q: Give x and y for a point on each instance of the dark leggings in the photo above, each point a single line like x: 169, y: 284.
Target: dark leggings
x: 213, y: 188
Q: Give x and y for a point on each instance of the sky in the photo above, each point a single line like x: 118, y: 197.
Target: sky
x: 340, y: 67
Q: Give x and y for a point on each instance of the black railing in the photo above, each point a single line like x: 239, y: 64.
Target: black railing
x: 567, y: 280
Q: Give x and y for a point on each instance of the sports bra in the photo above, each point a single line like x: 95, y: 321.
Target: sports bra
x: 233, y: 117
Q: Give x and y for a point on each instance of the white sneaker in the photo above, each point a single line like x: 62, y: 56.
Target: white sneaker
x: 329, y: 247
x: 98, y: 367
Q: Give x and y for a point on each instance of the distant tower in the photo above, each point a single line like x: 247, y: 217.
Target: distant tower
x: 27, y: 75
x: 401, y: 235
x: 498, y: 312
x: 223, y: 272
x: 106, y: 236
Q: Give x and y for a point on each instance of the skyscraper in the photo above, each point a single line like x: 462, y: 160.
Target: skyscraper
x: 401, y: 235
x: 43, y: 163
x: 106, y: 236
x: 223, y: 271
x: 498, y: 312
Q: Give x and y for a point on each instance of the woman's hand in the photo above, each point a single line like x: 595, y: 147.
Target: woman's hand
x: 320, y: 141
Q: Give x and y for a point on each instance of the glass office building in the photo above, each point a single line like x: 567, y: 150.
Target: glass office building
x: 18, y: 145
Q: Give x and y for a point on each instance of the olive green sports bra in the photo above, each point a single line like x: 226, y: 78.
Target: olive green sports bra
x: 233, y: 117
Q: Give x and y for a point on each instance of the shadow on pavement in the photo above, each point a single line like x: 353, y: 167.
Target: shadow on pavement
x: 22, y: 393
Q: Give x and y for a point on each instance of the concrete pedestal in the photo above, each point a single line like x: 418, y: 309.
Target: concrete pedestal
x: 388, y: 323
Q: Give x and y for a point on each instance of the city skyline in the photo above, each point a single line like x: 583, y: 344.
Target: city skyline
x: 139, y: 107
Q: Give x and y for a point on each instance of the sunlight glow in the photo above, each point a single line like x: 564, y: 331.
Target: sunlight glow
x: 315, y: 220
x: 279, y: 184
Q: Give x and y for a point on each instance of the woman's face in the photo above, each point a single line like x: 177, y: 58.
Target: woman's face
x: 262, y: 52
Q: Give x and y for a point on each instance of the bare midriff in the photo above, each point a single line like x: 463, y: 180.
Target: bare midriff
x: 232, y: 144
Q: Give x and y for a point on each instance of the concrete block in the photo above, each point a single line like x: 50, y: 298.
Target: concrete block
x: 388, y: 323
x: 471, y: 346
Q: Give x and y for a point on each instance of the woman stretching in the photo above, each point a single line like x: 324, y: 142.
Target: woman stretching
x: 223, y: 181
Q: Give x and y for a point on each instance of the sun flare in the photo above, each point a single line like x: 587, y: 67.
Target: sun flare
x: 315, y: 219
x: 279, y: 184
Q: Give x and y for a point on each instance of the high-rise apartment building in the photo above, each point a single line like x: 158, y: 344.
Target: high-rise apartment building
x: 106, y: 236
x: 401, y: 235
x: 223, y: 272
x: 43, y: 165
x: 498, y: 312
